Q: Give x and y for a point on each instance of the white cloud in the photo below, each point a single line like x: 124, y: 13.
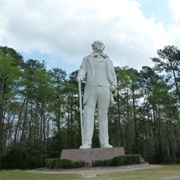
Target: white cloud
x: 66, y: 29
x: 175, y: 6
x: 173, y: 32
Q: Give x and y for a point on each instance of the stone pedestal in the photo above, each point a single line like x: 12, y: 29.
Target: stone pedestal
x: 89, y: 155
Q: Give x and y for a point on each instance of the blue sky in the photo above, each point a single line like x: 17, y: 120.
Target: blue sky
x: 61, y: 32
x: 157, y: 9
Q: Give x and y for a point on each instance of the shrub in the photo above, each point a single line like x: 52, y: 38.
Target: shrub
x: 115, y: 161
x: 50, y: 163
x: 24, y: 155
x: 119, y: 160
x: 14, y: 157
x: 63, y: 163
x: 106, y: 162
x: 67, y: 164
x: 78, y: 164
x: 126, y: 160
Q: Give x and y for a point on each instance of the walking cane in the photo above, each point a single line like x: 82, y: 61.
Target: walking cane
x: 80, y: 109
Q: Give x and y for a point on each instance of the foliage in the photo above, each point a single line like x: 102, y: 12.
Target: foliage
x: 14, y: 157
x: 106, y: 162
x: 119, y: 160
x: 63, y: 163
x: 22, y: 156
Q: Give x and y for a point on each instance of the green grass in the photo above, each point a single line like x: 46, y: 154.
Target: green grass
x: 24, y: 175
x: 167, y: 172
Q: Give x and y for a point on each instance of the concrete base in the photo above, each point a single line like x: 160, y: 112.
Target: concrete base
x: 89, y: 155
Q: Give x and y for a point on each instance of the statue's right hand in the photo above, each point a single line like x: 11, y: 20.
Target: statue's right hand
x: 79, y: 78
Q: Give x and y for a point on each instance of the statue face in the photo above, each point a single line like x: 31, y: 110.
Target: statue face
x: 98, y: 46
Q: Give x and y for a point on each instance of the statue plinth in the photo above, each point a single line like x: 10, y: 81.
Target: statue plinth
x: 89, y: 155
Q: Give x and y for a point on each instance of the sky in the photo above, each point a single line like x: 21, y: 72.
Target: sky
x: 60, y: 32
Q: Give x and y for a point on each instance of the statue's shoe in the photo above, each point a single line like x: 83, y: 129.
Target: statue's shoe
x: 85, y: 146
x: 106, y: 146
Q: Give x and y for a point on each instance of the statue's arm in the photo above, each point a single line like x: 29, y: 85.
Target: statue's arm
x: 114, y: 77
x: 83, y: 69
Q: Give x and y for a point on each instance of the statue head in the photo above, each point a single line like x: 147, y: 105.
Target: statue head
x: 98, y: 46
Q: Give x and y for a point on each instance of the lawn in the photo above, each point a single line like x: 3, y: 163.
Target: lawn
x: 24, y: 175
x: 166, y: 172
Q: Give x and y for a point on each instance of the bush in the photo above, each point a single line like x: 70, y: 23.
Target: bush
x: 126, y: 160
x: 106, y: 162
x: 116, y: 161
x: 63, y: 163
x: 53, y: 163
x: 24, y: 155
x: 67, y: 164
x: 119, y: 160
x: 170, y: 160
x: 78, y: 164
x: 49, y: 163
x: 35, y: 154
x: 14, y: 158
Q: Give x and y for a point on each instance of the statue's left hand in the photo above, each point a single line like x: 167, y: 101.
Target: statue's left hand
x: 79, y: 78
x: 112, y: 88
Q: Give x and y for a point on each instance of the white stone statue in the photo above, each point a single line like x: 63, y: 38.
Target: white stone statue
x: 98, y: 70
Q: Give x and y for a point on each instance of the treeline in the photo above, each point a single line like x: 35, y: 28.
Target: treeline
x: 39, y: 110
